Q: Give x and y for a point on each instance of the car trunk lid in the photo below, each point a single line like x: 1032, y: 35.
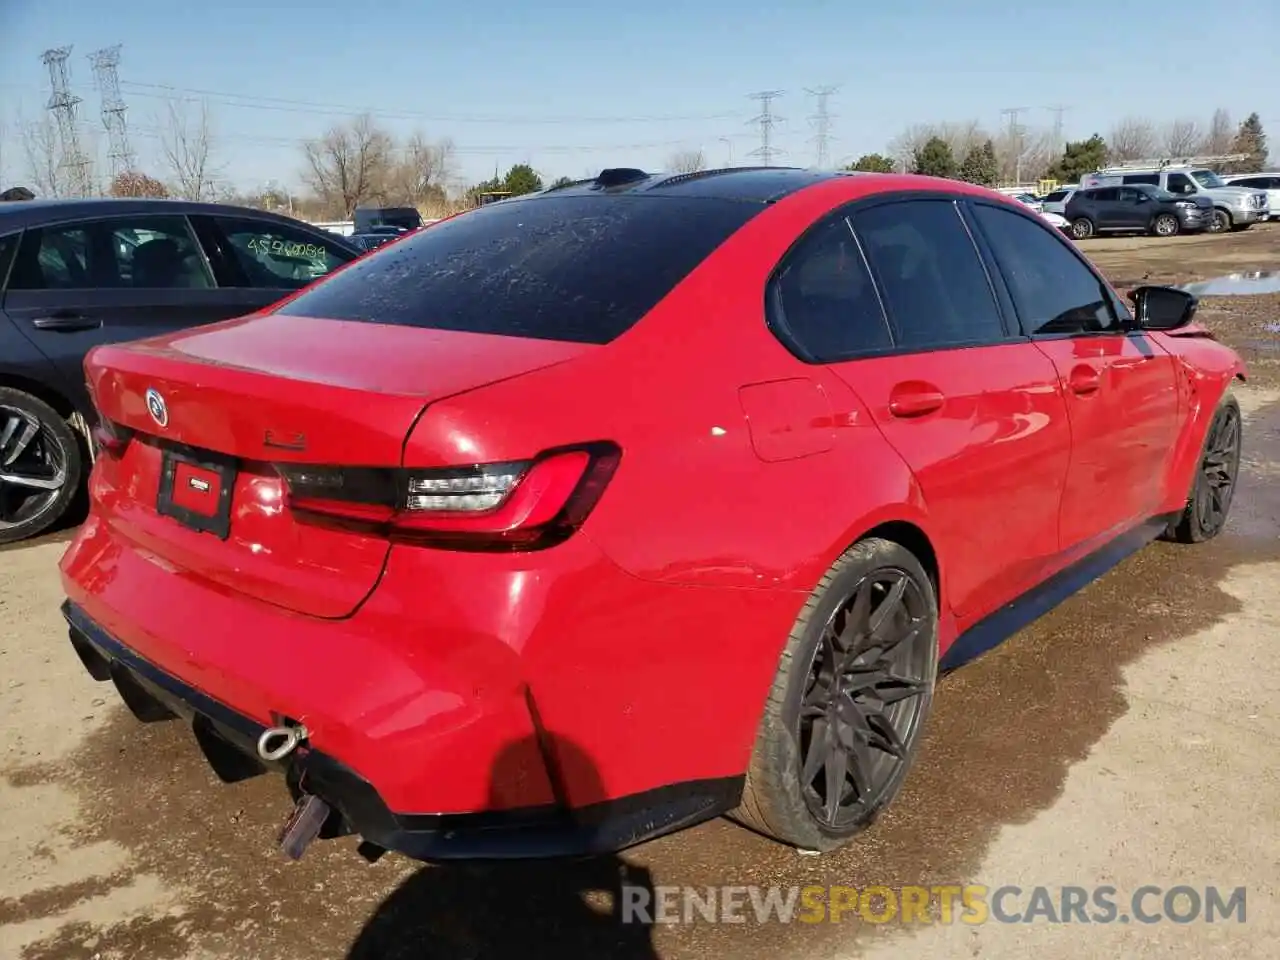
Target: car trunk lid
x: 221, y: 406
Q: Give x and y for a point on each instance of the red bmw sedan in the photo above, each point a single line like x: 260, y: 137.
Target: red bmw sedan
x: 583, y: 517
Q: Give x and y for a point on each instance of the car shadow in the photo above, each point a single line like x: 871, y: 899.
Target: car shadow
x: 476, y: 910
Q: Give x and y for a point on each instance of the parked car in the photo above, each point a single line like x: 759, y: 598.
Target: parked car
x: 1056, y: 201
x: 1136, y: 209
x: 78, y: 273
x: 1235, y: 208
x: 1056, y: 221
x: 1269, y: 183
x: 371, y: 241
x: 588, y: 515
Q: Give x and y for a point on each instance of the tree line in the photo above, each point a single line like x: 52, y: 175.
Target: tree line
x: 967, y: 152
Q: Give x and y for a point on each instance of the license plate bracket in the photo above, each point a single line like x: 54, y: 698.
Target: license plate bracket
x: 195, y: 489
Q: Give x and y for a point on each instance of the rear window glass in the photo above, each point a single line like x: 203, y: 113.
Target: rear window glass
x: 583, y: 269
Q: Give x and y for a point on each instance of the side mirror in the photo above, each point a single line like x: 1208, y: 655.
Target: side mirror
x: 1162, y: 308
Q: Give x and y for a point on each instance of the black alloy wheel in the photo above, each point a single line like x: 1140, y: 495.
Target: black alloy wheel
x: 40, y: 463
x: 848, y: 704
x: 1220, y: 222
x: 865, y: 699
x: 1214, y: 485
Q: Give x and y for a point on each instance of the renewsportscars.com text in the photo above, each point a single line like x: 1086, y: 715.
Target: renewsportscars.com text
x: 945, y: 904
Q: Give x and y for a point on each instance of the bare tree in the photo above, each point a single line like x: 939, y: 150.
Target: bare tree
x: 186, y: 137
x: 904, y: 146
x: 349, y: 164
x: 686, y: 161
x: 1221, y: 135
x: 422, y: 172
x: 1133, y: 138
x: 43, y: 153
x: 1182, y: 138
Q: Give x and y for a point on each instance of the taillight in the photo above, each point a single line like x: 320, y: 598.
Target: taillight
x: 516, y: 505
x: 110, y: 438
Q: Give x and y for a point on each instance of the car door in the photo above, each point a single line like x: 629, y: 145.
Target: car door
x: 74, y: 285
x: 1132, y: 209
x: 267, y: 259
x: 1108, y: 212
x: 972, y: 411
x: 1120, y: 386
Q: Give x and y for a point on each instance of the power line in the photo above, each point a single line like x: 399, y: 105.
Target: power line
x: 62, y: 104
x: 822, y: 123
x: 106, y: 63
x: 766, y: 119
x: 314, y: 107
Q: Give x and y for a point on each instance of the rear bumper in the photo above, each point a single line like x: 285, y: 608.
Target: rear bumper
x: 228, y: 738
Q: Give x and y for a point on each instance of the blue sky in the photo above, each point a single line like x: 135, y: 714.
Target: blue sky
x: 573, y: 86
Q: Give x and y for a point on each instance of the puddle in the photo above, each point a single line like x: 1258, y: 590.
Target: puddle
x: 1236, y: 284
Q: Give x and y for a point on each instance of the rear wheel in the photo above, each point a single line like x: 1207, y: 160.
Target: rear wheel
x: 849, y: 701
x: 40, y: 465
x: 1165, y: 225
x: 1214, y: 486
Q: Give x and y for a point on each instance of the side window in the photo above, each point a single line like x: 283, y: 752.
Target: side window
x: 8, y: 246
x: 824, y: 299
x: 1129, y: 195
x: 1053, y: 290
x: 53, y: 258
x: 1107, y: 194
x: 1180, y: 183
x: 936, y: 289
x: 278, y: 256
x: 1149, y: 178
x: 156, y: 253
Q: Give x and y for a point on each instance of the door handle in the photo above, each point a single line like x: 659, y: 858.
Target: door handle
x: 66, y: 322
x: 915, y: 399
x: 1084, y: 381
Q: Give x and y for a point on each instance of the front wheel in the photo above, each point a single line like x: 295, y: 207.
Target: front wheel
x: 1165, y: 225
x: 40, y: 465
x: 1081, y: 228
x: 853, y: 688
x: 1221, y: 221
x: 1214, y: 486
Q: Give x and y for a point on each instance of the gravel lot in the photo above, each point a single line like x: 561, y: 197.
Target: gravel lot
x: 1125, y: 739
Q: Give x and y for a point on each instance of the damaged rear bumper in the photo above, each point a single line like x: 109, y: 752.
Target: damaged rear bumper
x: 229, y: 741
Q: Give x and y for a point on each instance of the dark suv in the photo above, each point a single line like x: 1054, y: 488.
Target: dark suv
x: 78, y: 273
x: 1133, y: 209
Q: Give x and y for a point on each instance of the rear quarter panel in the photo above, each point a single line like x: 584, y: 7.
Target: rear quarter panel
x: 714, y: 510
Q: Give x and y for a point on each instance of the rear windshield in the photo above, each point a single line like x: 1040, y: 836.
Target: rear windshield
x: 574, y: 268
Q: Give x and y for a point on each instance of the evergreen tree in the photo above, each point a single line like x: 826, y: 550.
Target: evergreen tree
x: 872, y: 163
x: 934, y: 159
x: 1079, y: 157
x: 980, y: 165
x: 1251, y: 140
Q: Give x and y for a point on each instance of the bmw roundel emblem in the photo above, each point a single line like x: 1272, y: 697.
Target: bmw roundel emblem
x: 156, y: 407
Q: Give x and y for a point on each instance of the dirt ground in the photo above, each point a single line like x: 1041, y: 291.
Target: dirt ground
x: 1127, y: 738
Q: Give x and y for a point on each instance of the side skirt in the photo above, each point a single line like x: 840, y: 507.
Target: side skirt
x: 995, y: 628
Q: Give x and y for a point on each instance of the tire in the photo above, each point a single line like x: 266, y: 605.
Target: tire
x: 1081, y: 228
x: 1221, y: 221
x: 38, y: 446
x: 1165, y: 225
x: 1217, y: 473
x: 779, y: 799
